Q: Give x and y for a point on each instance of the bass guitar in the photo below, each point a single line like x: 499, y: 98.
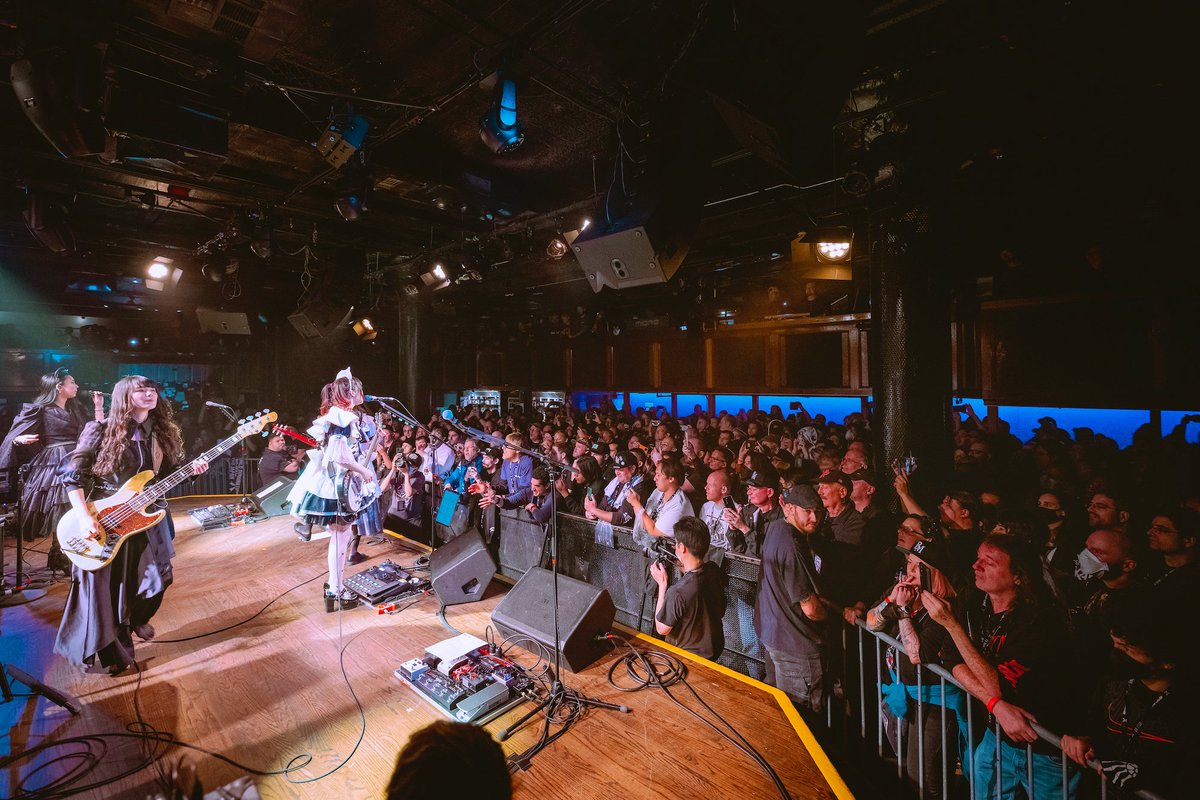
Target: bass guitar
x: 352, y: 487
x: 123, y: 513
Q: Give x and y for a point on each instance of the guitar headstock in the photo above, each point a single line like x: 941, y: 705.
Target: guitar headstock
x: 256, y: 424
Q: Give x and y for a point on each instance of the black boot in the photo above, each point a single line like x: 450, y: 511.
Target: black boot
x: 330, y: 600
x: 303, y: 530
x: 355, y: 557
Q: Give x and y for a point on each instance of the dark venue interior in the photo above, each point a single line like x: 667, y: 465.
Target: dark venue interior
x: 843, y: 267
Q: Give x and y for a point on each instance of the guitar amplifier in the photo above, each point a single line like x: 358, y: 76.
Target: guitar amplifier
x: 381, y: 581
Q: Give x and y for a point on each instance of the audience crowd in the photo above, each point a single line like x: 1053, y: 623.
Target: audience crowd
x: 1046, y: 574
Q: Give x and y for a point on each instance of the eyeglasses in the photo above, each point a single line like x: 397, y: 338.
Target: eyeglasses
x: 1101, y: 506
x: 909, y: 530
x: 1161, y: 529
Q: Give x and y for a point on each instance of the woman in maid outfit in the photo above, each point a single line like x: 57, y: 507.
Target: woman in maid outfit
x: 42, y: 436
x: 342, y: 436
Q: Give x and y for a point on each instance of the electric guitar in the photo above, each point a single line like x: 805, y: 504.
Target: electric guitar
x: 289, y: 431
x: 122, y: 514
x: 351, y: 487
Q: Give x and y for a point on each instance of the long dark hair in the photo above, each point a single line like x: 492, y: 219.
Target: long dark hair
x: 48, y: 393
x: 120, y: 426
x: 1025, y: 566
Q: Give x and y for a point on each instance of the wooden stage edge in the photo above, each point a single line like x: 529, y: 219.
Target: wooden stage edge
x: 271, y: 689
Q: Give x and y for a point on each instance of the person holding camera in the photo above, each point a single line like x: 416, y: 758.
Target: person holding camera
x: 277, y: 461
x: 406, y: 508
x: 689, y: 613
x: 748, y: 523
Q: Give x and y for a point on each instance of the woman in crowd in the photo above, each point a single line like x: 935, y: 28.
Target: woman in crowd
x: 107, y: 606
x: 573, y: 489
x: 902, y: 614
x: 42, y: 436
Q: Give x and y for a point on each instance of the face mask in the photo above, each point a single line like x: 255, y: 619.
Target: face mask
x: 1087, y: 566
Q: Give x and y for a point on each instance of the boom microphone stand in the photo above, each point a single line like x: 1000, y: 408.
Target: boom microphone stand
x: 557, y: 694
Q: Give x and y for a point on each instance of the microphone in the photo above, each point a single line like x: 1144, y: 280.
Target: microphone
x: 217, y: 405
x: 97, y: 391
x: 370, y: 398
x: 448, y: 415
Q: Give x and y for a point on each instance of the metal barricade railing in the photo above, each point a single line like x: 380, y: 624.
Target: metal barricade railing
x: 967, y: 758
x: 622, y: 570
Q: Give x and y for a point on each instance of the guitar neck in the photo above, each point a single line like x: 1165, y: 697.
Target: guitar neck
x: 159, y: 490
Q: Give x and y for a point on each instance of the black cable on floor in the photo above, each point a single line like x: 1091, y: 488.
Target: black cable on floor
x: 663, y: 670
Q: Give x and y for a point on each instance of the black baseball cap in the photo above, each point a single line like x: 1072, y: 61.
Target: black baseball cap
x: 493, y: 452
x: 838, y: 477
x: 767, y: 478
x: 802, y: 495
x: 932, y: 552
x: 864, y: 475
x: 625, y: 459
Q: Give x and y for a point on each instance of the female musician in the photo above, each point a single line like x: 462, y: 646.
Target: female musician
x: 342, y: 437
x: 42, y: 436
x: 106, y: 606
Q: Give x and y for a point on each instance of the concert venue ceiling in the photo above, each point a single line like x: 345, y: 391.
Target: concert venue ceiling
x: 189, y: 130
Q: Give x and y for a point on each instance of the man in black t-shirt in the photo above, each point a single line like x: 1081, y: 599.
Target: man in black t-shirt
x: 275, y: 461
x: 689, y: 613
x: 789, y: 612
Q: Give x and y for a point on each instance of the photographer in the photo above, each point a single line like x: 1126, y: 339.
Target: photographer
x: 748, y: 523
x: 278, y: 460
x: 406, y: 509
x: 688, y: 614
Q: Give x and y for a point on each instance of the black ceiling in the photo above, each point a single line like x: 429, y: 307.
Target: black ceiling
x: 1045, y: 121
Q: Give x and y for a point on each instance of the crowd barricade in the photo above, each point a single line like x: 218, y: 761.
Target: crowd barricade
x: 855, y: 707
x: 224, y: 476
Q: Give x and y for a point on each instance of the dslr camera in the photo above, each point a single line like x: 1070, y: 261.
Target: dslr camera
x: 663, y: 551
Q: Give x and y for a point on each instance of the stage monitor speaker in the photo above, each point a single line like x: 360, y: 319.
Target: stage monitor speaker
x: 585, y: 612
x: 461, y: 569
x: 272, y: 498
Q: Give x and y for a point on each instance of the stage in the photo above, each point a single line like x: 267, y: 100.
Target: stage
x: 270, y: 690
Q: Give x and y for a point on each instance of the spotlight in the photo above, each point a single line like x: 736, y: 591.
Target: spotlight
x: 832, y: 245
x: 557, y: 248
x: 365, y: 329
x: 435, y: 275
x: 411, y: 290
x: 499, y: 128
x: 351, y: 206
x: 342, y: 138
x: 160, y: 274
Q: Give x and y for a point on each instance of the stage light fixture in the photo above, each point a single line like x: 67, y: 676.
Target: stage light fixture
x: 557, y: 248
x: 833, y: 244
x: 365, y: 329
x: 351, y: 206
x: 161, y: 274
x: 499, y: 128
x: 342, y: 138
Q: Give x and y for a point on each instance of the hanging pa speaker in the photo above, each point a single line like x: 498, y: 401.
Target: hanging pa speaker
x: 585, y: 616
x: 461, y: 569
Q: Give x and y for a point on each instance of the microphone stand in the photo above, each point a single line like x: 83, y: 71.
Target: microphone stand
x: 557, y: 695
x: 20, y: 592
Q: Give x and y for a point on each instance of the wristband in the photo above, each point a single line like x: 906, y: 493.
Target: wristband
x: 991, y: 704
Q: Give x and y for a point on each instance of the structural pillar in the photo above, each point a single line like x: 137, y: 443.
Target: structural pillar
x: 414, y: 353
x: 910, y: 352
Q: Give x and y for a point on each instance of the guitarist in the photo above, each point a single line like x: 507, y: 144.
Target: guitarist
x: 341, y: 437
x: 107, y: 607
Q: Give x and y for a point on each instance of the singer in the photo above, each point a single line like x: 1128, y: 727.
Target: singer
x: 342, y: 439
x: 42, y: 436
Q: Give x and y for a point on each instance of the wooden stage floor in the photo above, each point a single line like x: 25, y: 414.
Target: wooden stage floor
x: 269, y: 690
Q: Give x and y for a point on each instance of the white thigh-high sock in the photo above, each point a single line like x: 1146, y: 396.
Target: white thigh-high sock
x: 339, y: 541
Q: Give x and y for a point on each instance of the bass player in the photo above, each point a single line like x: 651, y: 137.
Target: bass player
x: 108, y: 606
